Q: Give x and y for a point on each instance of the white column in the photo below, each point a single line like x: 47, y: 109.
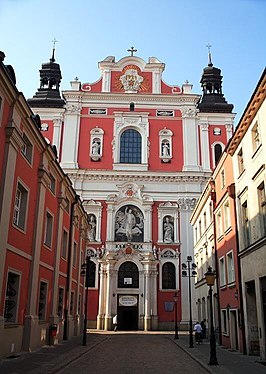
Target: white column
x: 101, y: 301
x: 205, y: 146
x: 71, y: 136
x: 57, y: 133
x: 147, y: 224
x: 147, y: 300
x: 108, y: 309
x: 156, y: 82
x: 106, y: 80
x: 190, y: 140
x: 154, y: 300
x: 109, y: 228
x: 229, y: 131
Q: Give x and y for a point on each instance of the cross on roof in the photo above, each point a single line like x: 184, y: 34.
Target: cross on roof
x: 209, y: 47
x: 209, y: 53
x: 132, y: 50
x: 54, y: 41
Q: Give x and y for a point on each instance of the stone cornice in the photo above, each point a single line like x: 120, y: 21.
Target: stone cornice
x: 140, y: 177
x: 124, y: 98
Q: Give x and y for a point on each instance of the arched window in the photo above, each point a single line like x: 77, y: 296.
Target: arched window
x: 130, y: 147
x: 217, y: 152
x: 168, y: 276
x: 91, y: 274
x: 128, y: 275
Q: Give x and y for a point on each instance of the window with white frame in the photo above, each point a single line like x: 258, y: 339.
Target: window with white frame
x: 218, y: 150
x: 52, y: 184
x: 227, y: 217
x: 224, y: 322
x: 64, y: 244
x: 256, y: 141
x: 130, y: 147
x: 20, y: 207
x: 245, y: 222
x: 27, y: 148
x: 96, y: 144
x: 12, y: 297
x: 262, y: 208
x: 204, y: 221
x: 230, y: 267
x: 222, y: 271
x: 200, y: 229
x: 165, y: 145
x: 222, y: 179
x: 48, y: 230
x: 219, y: 224
x: 42, y: 300
x: 240, y: 161
x: 168, y: 276
x: 75, y: 254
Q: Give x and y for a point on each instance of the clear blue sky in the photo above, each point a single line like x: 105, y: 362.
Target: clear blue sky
x: 174, y: 31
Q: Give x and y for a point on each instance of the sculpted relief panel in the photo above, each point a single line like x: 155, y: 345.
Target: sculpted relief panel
x: 129, y: 225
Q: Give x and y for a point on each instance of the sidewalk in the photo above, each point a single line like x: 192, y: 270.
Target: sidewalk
x: 229, y: 362
x: 50, y: 359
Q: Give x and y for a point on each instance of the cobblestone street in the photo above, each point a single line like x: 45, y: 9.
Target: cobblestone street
x: 135, y: 353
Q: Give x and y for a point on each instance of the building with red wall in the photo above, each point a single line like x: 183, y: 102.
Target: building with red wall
x: 42, y: 232
x: 139, y: 152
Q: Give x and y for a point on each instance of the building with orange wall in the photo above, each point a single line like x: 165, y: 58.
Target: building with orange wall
x: 42, y: 232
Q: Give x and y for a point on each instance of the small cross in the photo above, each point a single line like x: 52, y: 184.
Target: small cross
x: 54, y: 41
x: 209, y: 47
x: 132, y: 50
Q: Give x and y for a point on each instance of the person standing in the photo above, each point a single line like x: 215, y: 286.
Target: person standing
x: 115, y: 322
x: 203, y: 326
x: 198, y: 333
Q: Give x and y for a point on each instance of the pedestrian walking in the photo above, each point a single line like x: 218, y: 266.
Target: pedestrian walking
x: 115, y: 322
x: 198, y: 333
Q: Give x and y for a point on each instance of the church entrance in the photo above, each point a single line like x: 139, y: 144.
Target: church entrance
x: 127, y: 312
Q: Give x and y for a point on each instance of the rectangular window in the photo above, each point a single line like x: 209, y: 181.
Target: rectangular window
x: 42, y: 301
x: 52, y: 183
x: 67, y: 205
x: 48, y: 230
x: 60, y: 302
x: 227, y: 219
x: 219, y: 224
x: 245, y: 223
x: 200, y: 229
x: 222, y: 179
x: 72, y: 303
x: 262, y: 208
x: 11, y: 301
x: 27, y: 148
x: 230, y: 267
x: 240, y: 161
x: 255, y: 137
x: 224, y: 322
x: 75, y: 254
x: 204, y: 221
x: 64, y: 244
x: 222, y: 271
x: 20, y: 208
x: 196, y: 234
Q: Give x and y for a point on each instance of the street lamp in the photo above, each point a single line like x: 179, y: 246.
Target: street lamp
x: 85, y: 273
x: 210, y: 279
x: 189, y: 271
x: 176, y: 327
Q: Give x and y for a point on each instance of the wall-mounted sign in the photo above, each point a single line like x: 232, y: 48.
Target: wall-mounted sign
x: 165, y: 113
x: 127, y: 280
x: 128, y: 300
x: 98, y: 111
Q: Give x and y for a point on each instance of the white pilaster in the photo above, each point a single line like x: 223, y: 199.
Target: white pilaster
x: 156, y: 82
x: 57, y: 132
x: 71, y: 136
x: 147, y: 299
x: 106, y: 80
x: 229, y: 131
x: 205, y: 146
x: 190, y: 140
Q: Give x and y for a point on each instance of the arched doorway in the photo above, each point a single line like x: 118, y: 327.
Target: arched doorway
x: 128, y: 305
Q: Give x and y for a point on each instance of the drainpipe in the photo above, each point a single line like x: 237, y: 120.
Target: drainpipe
x: 66, y: 303
x: 213, y: 198
x: 232, y: 194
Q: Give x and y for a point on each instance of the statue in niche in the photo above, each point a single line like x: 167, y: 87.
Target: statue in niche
x: 95, y: 148
x: 168, y: 230
x: 92, y: 228
x: 165, y: 149
x: 129, y: 224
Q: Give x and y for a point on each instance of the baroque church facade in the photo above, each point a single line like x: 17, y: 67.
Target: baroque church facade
x: 139, y: 153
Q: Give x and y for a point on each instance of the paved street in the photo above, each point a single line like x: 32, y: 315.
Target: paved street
x: 135, y: 353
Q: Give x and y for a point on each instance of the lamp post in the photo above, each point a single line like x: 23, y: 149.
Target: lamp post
x: 210, y: 279
x: 188, y: 270
x: 176, y: 327
x: 85, y: 273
